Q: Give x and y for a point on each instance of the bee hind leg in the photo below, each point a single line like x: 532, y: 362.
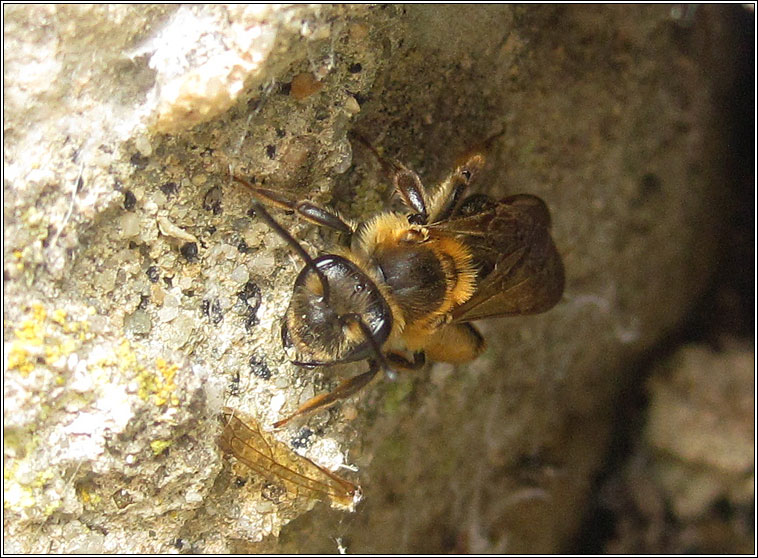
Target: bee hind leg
x: 456, y: 344
x: 342, y: 391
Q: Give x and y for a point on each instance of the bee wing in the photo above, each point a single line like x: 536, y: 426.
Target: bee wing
x: 520, y: 270
x: 243, y: 438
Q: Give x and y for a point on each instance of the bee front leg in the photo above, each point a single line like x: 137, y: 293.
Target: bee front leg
x: 304, y: 209
x: 342, y: 391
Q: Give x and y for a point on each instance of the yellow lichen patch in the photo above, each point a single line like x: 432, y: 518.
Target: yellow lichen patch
x: 55, y: 351
x: 20, y: 496
x: 32, y: 330
x: 52, y: 507
x: 17, y: 497
x: 126, y: 359
x: 43, y: 477
x: 20, y: 359
x: 88, y: 495
x: 158, y: 385
x: 159, y: 446
x: 59, y: 316
x: 40, y: 334
x: 18, y: 256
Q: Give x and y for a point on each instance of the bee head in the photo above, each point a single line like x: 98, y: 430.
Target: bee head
x: 336, y: 314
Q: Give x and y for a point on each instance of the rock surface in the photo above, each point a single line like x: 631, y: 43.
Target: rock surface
x: 141, y: 296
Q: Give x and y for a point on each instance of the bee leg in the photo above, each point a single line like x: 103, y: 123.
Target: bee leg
x: 449, y: 195
x: 410, y: 189
x: 342, y: 391
x: 399, y: 361
x: 456, y: 344
x: 407, y: 184
x: 306, y: 210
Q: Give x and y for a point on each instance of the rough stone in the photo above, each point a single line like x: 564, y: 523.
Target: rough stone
x: 607, y: 113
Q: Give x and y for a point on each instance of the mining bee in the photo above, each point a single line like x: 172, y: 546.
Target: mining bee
x: 407, y: 284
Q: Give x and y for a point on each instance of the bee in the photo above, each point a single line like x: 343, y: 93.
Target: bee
x: 406, y: 285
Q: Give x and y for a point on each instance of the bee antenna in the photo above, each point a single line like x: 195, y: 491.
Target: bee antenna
x: 385, y: 366
x: 294, y: 244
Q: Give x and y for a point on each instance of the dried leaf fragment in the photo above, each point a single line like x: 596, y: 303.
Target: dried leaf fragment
x: 243, y: 438
x: 304, y: 85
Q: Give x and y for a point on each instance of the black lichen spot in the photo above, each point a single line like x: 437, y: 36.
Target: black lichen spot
x: 302, y: 439
x: 259, y: 368
x: 212, y: 200
x: 143, y: 302
x: 130, y: 200
x: 239, y: 482
x: 189, y: 251
x: 285, y: 88
x: 169, y: 188
x: 181, y: 544
x: 251, y: 296
x: 251, y: 212
x: 280, y: 133
x: 212, y: 309
x: 153, y: 274
x: 168, y: 280
x: 355, y: 68
x: 234, y: 385
x: 138, y: 160
x: 133, y: 245
x: 242, y: 247
x: 271, y: 151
